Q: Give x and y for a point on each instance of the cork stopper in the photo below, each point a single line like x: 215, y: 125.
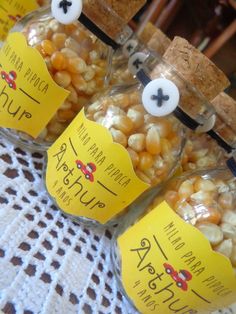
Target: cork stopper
x: 225, y: 107
x: 159, y: 42
x: 125, y: 9
x: 196, y: 68
x: 146, y: 34
x: 111, y: 15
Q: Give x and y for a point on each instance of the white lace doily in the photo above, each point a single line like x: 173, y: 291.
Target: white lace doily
x: 49, y: 264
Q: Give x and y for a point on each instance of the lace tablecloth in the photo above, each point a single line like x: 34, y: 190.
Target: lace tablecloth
x: 49, y: 264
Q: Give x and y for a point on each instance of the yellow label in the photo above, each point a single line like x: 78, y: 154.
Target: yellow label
x: 168, y: 266
x: 88, y: 174
x: 12, y: 11
x: 28, y: 95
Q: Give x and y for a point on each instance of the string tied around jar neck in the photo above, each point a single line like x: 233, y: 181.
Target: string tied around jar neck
x: 231, y: 164
x: 69, y: 11
x: 165, y: 100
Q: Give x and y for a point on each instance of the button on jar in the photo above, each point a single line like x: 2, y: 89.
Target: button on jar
x: 126, y: 143
x: 77, y: 55
x: 148, y: 44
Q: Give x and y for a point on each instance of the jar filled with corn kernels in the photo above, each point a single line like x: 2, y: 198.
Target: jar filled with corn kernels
x: 77, y: 50
x: 210, y: 149
x: 129, y: 59
x: 13, y: 11
x: 181, y: 253
x: 124, y: 144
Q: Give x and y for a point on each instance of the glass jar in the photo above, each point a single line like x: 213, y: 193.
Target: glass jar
x: 167, y: 245
x: 13, y: 11
x: 148, y: 44
x: 149, y: 148
x: 78, y: 57
x: 212, y: 148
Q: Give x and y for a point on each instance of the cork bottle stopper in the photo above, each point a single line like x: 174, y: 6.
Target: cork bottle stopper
x: 158, y: 42
x: 195, y: 68
x: 225, y: 107
x: 111, y: 15
x: 146, y: 34
x: 125, y: 9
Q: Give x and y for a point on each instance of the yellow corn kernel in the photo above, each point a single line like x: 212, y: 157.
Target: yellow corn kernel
x: 48, y: 47
x: 72, y: 44
x: 80, y: 103
x: 59, y: 40
x: 122, y: 101
x: 226, y: 201
x: 164, y: 127
x: 58, y: 60
x: 204, y: 185
x: 153, y: 142
x: 136, y: 117
x: 186, y: 189
x: 65, y: 115
x: 56, y: 128
x: 172, y: 197
x: 137, y: 142
x: 122, y: 123
x: 119, y: 137
x: 68, y: 53
x: 134, y: 157
x: 76, y: 65
x: 62, y: 78
x: 143, y: 177
x: 73, y: 97
x: 78, y: 82
x: 66, y: 105
x: 145, y: 161
x: 89, y: 74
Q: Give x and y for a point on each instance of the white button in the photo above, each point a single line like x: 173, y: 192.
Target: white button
x: 136, y: 62
x: 66, y: 11
x: 160, y: 97
x: 208, y: 125
x: 129, y: 48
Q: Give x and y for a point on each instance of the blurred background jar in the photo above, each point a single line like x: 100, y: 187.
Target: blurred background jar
x: 142, y: 45
x: 153, y: 141
x: 78, y: 57
x: 210, y: 146
x: 205, y: 199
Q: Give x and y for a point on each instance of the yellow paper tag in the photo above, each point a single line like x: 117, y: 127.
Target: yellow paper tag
x: 12, y: 11
x: 28, y: 95
x: 88, y: 174
x: 168, y: 266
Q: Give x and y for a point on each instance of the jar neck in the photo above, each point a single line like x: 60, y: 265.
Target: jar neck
x: 224, y: 135
x: 113, y: 34
x: 105, y: 23
x: 192, y: 115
